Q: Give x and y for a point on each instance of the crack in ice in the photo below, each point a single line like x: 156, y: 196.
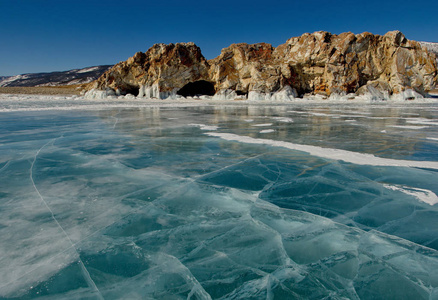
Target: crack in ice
x: 226, y: 167
x: 117, y: 120
x: 5, y: 166
x: 85, y: 272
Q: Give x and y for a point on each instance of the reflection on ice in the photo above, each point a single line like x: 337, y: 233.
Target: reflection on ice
x: 157, y: 203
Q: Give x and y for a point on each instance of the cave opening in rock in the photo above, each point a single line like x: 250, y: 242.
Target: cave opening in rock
x: 200, y: 87
x: 133, y: 90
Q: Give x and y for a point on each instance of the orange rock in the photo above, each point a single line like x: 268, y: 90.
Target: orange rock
x: 320, y: 62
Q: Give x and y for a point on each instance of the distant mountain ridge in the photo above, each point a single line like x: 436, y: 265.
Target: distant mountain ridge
x: 71, y: 77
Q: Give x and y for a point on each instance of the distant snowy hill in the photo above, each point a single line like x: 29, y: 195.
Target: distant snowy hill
x: 76, y: 76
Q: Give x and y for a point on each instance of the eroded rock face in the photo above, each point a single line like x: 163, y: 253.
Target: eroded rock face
x: 325, y: 63
x: 163, y: 69
x: 317, y: 63
x: 244, y: 68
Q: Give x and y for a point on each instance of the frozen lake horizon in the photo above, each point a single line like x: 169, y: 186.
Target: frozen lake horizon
x: 202, y: 201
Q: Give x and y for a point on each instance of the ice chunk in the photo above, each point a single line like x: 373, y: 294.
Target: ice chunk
x: 100, y: 94
x: 129, y: 96
x: 407, y: 94
x: 256, y: 96
x: 285, y: 94
x: 225, y: 94
x: 149, y: 92
x: 154, y: 92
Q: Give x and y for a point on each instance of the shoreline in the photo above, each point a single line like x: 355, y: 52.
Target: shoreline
x: 68, y: 102
x: 42, y: 90
x: 76, y: 90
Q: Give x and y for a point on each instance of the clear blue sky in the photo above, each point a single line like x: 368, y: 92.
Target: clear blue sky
x: 57, y: 35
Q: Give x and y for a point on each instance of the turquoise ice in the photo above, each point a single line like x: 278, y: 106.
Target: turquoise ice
x: 220, y: 202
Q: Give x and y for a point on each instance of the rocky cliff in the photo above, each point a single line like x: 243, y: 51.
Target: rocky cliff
x: 320, y: 63
x: 158, y: 73
x: 431, y: 47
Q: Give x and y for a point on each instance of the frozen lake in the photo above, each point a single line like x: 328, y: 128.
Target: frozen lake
x: 197, y: 201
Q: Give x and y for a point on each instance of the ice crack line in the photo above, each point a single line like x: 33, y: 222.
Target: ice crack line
x: 5, y: 166
x: 85, y: 272
x: 228, y: 166
x: 117, y: 120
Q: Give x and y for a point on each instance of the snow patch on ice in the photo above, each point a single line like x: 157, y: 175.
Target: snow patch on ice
x: 262, y: 125
x: 283, y: 119
x: 408, y: 127
x: 329, y: 153
x: 267, y: 131
x: 205, y: 127
x: 319, y: 114
x: 423, y: 195
x: 422, y: 121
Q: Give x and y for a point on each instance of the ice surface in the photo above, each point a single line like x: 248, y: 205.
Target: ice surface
x: 336, y: 154
x: 157, y: 203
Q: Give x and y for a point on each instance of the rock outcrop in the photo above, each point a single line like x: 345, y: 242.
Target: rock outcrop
x: 325, y: 63
x: 431, y: 47
x: 159, y: 73
x: 319, y: 63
